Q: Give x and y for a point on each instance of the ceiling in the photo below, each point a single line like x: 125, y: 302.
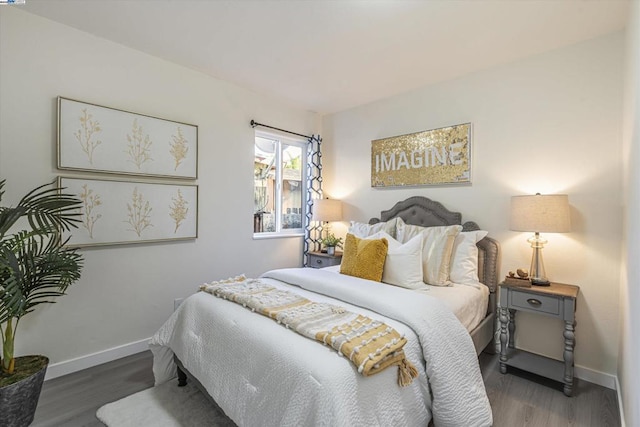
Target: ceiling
x: 327, y: 56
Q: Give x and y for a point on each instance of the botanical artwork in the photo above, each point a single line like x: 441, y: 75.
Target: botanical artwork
x: 87, y: 134
x: 119, y: 212
x: 178, y: 210
x: 91, y: 202
x: 433, y: 157
x: 139, y: 147
x: 93, y: 138
x: 179, y: 148
x: 139, y: 213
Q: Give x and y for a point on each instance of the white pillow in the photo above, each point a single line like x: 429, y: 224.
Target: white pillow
x: 464, y: 260
x: 404, y: 231
x: 362, y: 230
x: 436, y: 252
x: 403, y: 265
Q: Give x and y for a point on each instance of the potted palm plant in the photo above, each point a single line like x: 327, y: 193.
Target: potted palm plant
x: 35, y: 267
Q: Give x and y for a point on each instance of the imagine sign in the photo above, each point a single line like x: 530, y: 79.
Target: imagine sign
x: 432, y: 157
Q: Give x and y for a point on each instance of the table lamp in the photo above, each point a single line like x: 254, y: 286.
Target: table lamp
x: 326, y: 210
x: 540, y: 213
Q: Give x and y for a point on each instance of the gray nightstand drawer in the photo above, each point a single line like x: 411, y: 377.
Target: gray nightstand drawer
x: 541, y: 303
x: 321, y: 260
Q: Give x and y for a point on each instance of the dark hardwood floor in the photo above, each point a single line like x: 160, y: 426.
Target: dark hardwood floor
x: 517, y: 399
x: 72, y: 400
x: 522, y: 399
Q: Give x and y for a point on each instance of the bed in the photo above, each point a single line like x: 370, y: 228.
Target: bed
x: 262, y: 374
x: 422, y: 211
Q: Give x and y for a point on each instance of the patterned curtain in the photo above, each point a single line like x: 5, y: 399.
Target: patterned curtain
x: 313, y: 230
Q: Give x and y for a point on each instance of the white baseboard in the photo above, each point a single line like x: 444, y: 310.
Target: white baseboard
x: 596, y: 377
x: 620, y: 407
x: 59, y: 369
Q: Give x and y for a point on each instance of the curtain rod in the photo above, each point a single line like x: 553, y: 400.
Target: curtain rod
x: 254, y: 124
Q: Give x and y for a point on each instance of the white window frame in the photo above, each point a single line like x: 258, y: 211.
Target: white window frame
x: 304, y: 146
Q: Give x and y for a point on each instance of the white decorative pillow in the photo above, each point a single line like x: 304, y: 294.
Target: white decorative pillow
x: 403, y: 265
x: 464, y: 260
x: 405, y: 232
x: 436, y: 252
x: 362, y: 230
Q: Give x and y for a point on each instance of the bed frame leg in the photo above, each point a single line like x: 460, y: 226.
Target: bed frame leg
x: 182, y: 378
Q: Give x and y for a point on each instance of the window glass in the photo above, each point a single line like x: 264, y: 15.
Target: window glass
x: 279, y: 185
x: 291, y: 187
x: 264, y: 185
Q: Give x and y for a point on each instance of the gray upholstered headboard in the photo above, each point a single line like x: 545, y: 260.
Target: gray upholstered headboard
x: 425, y: 212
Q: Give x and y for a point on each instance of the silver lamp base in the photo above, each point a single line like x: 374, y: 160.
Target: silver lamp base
x: 537, y: 273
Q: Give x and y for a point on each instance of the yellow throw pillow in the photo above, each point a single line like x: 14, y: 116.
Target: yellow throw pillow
x: 364, y: 258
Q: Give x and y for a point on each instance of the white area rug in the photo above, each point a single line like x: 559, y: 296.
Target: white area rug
x: 164, y: 406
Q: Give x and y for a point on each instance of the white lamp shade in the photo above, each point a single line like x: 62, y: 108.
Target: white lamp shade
x: 327, y: 210
x: 541, y: 213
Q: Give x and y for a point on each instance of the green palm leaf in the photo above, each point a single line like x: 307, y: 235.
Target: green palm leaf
x: 44, y: 208
x: 35, y: 265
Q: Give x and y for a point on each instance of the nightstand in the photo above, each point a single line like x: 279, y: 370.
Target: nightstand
x: 321, y: 259
x: 557, y: 300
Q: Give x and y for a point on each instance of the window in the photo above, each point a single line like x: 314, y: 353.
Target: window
x: 279, y: 185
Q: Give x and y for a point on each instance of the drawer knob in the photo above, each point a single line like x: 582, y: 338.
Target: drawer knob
x: 319, y: 261
x: 534, y: 301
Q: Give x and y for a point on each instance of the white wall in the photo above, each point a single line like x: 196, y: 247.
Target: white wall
x: 550, y: 124
x: 127, y: 292
x: 629, y: 353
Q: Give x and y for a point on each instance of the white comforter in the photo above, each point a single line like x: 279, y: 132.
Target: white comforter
x: 262, y: 374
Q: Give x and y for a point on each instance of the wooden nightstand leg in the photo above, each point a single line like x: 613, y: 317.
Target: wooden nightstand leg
x: 504, y: 319
x: 512, y: 328
x: 569, y: 345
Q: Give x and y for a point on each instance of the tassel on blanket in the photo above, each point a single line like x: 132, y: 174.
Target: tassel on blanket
x: 406, y: 373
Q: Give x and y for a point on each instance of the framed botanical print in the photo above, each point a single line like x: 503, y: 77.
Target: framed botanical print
x: 121, y: 212
x: 93, y: 138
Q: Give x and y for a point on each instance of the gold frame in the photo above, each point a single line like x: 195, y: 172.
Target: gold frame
x: 135, y: 144
x: 134, y: 211
x: 439, y: 156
